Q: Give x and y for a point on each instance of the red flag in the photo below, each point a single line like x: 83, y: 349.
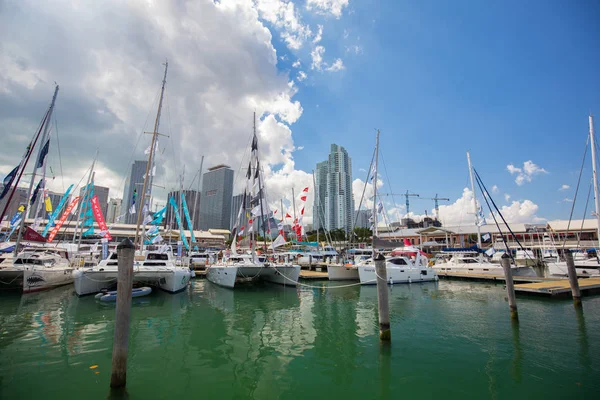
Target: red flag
x: 62, y: 219
x: 305, y: 190
x: 250, y: 221
x: 287, y: 215
x: 407, y: 242
x: 302, y: 211
x: 33, y: 236
x: 274, y: 212
x: 99, y: 217
x: 303, y: 198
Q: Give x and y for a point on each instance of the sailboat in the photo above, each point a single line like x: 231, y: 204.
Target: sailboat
x: 154, y: 268
x: 584, y: 266
x: 466, y: 261
x: 238, y: 268
x: 400, y: 269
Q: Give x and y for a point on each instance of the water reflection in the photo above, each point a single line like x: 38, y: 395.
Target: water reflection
x: 517, y: 361
x: 582, y: 339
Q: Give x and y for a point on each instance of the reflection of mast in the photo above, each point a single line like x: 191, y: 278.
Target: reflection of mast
x: 150, y: 160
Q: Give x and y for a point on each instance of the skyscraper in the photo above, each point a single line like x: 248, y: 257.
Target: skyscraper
x: 114, y: 210
x: 102, y: 193
x: 217, y: 191
x: 192, y: 200
x: 363, y: 218
x: 334, y: 203
x: 236, y: 203
x: 135, y: 181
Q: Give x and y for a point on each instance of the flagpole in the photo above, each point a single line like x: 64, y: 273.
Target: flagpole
x: 26, y: 211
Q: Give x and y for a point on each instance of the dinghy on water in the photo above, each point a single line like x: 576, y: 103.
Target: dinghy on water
x: 112, y: 295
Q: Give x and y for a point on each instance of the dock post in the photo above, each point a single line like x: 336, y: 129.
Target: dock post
x: 126, y: 253
x: 573, y: 278
x: 510, y: 287
x: 382, y: 298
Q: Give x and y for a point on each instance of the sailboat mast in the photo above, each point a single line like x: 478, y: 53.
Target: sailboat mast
x: 196, y: 194
x: 317, y: 213
x: 595, y: 173
x: 150, y: 159
x: 474, y: 200
x: 85, y: 191
x: 375, y: 193
x: 26, y: 212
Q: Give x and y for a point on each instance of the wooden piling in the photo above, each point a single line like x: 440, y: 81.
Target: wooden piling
x: 382, y: 298
x: 573, y: 278
x: 510, y: 287
x: 126, y: 253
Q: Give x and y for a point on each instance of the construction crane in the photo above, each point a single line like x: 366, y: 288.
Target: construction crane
x: 406, y: 195
x: 437, y: 206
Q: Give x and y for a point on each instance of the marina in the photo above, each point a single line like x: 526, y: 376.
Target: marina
x: 280, y: 342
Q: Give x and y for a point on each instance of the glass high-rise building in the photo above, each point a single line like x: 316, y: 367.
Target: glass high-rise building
x: 135, y: 181
x: 192, y: 200
x: 334, y: 202
x: 217, y: 193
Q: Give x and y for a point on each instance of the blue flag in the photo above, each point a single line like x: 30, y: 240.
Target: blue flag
x: 39, y: 186
x: 43, y: 154
x: 8, y: 180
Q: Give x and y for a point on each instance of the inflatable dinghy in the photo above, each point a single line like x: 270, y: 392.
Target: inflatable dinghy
x: 112, y: 295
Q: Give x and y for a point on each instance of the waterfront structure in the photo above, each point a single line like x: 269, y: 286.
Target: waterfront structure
x: 192, y: 200
x: 217, y: 191
x: 363, y: 219
x: 334, y: 201
x: 135, y: 182
x: 114, y: 210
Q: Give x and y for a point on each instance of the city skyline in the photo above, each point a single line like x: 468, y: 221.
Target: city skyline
x: 217, y: 195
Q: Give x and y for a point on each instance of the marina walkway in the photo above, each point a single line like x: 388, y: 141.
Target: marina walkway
x: 560, y: 287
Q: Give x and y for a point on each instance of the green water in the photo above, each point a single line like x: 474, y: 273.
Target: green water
x: 450, y: 340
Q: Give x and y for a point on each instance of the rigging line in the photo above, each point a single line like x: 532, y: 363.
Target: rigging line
x: 584, y: 214
x: 576, y: 191
x: 363, y: 195
x: 498, y: 210
x: 140, y: 135
x: 62, y: 176
x: 508, y: 252
x: 388, y: 179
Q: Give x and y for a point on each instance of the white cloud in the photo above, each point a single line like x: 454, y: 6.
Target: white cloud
x: 354, y: 49
x: 284, y: 16
x: 346, y: 33
x: 506, y: 197
x: 296, y: 64
x: 358, y: 186
x: 301, y: 76
x: 521, y: 212
x: 564, y: 187
x: 495, y: 189
x: 338, y: 65
x: 319, y: 34
x: 333, y: 7
x: 317, y: 57
x: 525, y: 174
x: 567, y: 200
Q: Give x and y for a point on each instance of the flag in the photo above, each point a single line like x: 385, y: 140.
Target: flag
x: 48, y: 205
x: 305, y: 190
x: 254, y: 143
x: 258, y: 211
x: 480, y: 218
x: 490, y: 252
x: 379, y: 207
x: 302, y: 211
x: 251, y: 229
x: 250, y: 221
x: 153, y: 229
x: 157, y: 239
x: 158, y: 216
x: 486, y: 237
x: 241, y: 232
x: 372, y: 173
x: 8, y: 180
x: 279, y: 241
x: 287, y: 215
x: 303, y: 198
x: 43, y: 154
x: 35, y: 192
x: 147, y: 220
x: 133, y: 198
x: 274, y: 212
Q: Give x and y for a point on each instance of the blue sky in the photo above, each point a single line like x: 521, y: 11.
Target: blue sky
x: 510, y: 81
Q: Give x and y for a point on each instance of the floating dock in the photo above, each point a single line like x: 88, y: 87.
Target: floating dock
x: 558, y: 288
x: 495, y: 278
x: 313, y: 275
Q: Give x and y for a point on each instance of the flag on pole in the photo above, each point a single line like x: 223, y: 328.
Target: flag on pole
x: 133, y: 198
x: 279, y: 241
x: 305, y: 190
x: 8, y: 180
x: 303, y: 198
x: 287, y: 215
x: 43, y: 154
x: 39, y: 186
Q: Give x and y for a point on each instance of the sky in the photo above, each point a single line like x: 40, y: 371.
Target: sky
x: 512, y: 82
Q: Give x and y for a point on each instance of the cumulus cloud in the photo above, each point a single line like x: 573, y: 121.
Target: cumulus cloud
x: 526, y: 173
x: 495, y: 189
x: 521, y: 212
x: 296, y: 64
x: 284, y: 16
x: 319, y: 34
x: 107, y: 58
x: 358, y: 186
x: 564, y: 187
x: 320, y: 65
x: 506, y: 197
x: 301, y: 76
x: 338, y: 65
x: 327, y: 7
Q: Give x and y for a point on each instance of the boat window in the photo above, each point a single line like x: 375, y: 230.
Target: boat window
x: 18, y: 261
x: 112, y: 263
x: 157, y: 256
x: 424, y: 272
x: 153, y: 263
x: 397, y: 261
x: 114, y: 256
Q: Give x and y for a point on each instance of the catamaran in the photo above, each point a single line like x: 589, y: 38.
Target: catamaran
x: 400, y: 269
x: 238, y: 268
x: 156, y: 268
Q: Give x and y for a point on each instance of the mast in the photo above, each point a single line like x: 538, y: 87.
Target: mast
x: 260, y: 191
x: 375, y: 193
x: 150, y: 159
x: 474, y: 201
x: 80, y: 204
x: 197, y: 191
x: 595, y: 173
x: 26, y: 212
x: 315, y: 190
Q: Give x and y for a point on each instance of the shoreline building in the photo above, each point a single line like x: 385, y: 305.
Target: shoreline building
x: 114, y: 210
x: 217, y: 195
x: 334, y: 201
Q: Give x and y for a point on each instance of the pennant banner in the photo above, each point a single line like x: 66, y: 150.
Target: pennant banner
x: 178, y: 219
x: 63, y: 218
x: 187, y: 217
x: 97, y: 210
x: 58, y: 208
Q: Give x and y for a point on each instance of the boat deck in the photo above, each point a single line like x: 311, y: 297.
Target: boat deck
x: 561, y: 287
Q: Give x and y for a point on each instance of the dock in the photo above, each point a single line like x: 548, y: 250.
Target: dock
x: 559, y: 288
x: 313, y: 275
x: 495, y: 278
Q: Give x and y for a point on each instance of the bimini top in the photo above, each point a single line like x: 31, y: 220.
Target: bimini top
x: 472, y: 249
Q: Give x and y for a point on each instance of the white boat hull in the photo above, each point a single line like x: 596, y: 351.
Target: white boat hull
x: 229, y: 275
x: 93, y: 281
x: 560, y: 269
x: 395, y: 274
x: 38, y: 279
x: 492, y: 269
x: 342, y: 273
